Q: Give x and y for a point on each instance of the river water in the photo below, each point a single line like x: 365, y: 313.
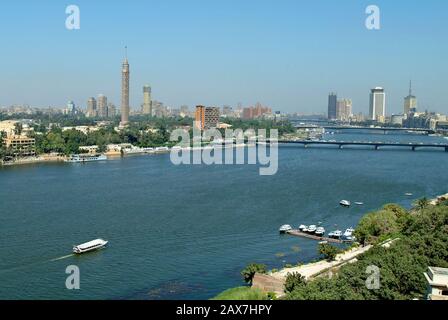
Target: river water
x: 185, y: 232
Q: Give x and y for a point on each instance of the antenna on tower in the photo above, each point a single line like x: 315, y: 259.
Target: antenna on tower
x: 126, y: 53
x: 410, y: 87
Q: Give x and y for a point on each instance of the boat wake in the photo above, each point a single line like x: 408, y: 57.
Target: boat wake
x: 63, y: 257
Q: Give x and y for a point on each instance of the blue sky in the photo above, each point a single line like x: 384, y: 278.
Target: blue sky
x: 287, y: 53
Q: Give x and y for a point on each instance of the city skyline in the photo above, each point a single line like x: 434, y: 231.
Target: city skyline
x: 236, y: 65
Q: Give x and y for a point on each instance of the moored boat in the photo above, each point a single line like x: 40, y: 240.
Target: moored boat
x: 285, y: 228
x: 320, y: 231
x: 90, y: 246
x: 335, y: 234
x: 312, y: 228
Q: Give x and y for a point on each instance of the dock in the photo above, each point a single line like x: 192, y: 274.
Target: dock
x: 298, y: 233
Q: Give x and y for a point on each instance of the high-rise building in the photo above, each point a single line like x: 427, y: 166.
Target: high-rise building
x: 91, y: 108
x: 377, y: 104
x: 111, y: 110
x: 206, y: 117
x: 410, y: 102
x: 125, y: 74
x: 102, y: 106
x: 344, y: 110
x: 147, y: 107
x: 332, y: 106
x: 71, y: 108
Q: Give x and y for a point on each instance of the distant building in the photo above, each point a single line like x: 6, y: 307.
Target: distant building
x: 91, y: 108
x: 332, y: 106
x: 102, y: 106
x: 344, y: 110
x: 378, y: 104
x: 397, y: 119
x: 206, y: 117
x: 111, y: 110
x: 147, y: 107
x: 410, y: 102
x: 256, y: 112
x: 71, y: 108
x: 437, y: 279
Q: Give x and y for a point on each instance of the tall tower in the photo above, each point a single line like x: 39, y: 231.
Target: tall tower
x: 377, y: 104
x: 125, y: 90
x: 147, y: 107
x: 332, y: 106
x: 410, y: 102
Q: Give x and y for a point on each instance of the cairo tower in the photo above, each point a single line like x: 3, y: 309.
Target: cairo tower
x: 125, y: 92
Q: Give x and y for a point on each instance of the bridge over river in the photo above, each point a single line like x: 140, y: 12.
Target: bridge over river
x: 374, y: 145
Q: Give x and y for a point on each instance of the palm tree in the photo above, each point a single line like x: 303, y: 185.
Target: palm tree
x: 422, y: 203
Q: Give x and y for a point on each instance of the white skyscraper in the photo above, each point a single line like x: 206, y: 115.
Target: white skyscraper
x: 378, y: 104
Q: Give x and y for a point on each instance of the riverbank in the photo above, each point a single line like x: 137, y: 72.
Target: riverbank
x: 397, y: 223
x: 51, y: 158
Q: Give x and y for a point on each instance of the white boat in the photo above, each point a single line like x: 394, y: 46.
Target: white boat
x: 349, y: 232
x: 335, y: 234
x: 285, y: 228
x: 320, y: 231
x: 90, y: 246
x: 302, y: 227
x: 345, y: 203
x: 408, y: 194
x: 148, y: 150
x: 359, y: 203
x: 162, y: 149
x: 76, y: 158
x: 312, y: 228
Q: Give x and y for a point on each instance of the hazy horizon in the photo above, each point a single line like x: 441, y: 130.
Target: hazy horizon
x: 286, y: 54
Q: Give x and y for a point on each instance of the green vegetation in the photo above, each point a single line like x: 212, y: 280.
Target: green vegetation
x: 423, y: 242
x: 243, y: 293
x: 283, y: 126
x: 294, y: 281
x: 249, y: 272
x: 328, y: 251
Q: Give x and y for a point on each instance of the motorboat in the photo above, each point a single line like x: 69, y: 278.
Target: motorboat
x: 359, y: 203
x: 335, y: 234
x: 345, y: 203
x: 408, y: 194
x: 320, y: 231
x: 302, y: 227
x: 349, y: 232
x: 285, y: 228
x: 90, y: 246
x: 312, y: 228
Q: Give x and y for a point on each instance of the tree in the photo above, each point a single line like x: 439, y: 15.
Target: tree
x: 249, y: 272
x: 422, y: 203
x: 375, y: 225
x: 328, y: 251
x: 293, y: 281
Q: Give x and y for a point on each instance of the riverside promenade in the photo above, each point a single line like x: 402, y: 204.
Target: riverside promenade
x: 274, y: 281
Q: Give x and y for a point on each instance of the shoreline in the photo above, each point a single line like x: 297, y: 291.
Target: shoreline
x: 45, y: 158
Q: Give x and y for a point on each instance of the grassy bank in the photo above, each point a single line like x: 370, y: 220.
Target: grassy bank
x: 241, y: 293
